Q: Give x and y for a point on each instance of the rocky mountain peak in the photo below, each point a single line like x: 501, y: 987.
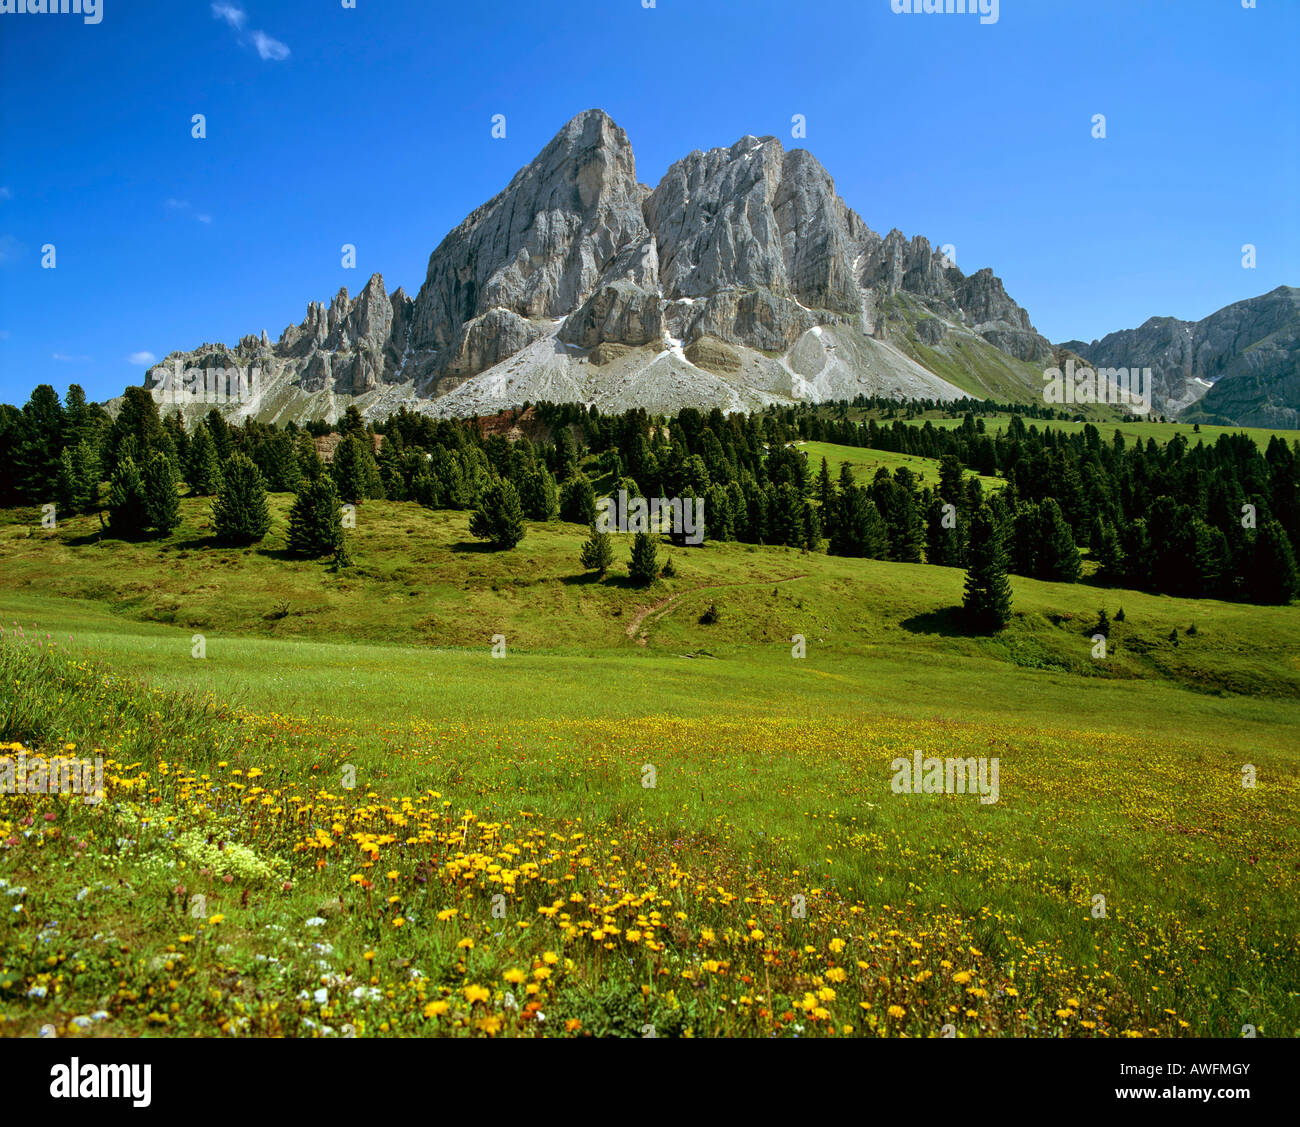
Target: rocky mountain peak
x: 741, y: 278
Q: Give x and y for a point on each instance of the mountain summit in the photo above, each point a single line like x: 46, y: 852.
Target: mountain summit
x: 742, y: 279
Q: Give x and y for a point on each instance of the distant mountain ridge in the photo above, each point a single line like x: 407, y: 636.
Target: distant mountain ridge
x: 1239, y: 366
x: 740, y: 280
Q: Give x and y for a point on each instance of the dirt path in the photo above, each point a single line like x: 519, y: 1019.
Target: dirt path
x: 663, y: 606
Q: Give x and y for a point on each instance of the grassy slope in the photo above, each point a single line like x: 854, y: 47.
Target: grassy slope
x: 1119, y: 777
x: 431, y: 600
x: 866, y: 461
x: 1132, y: 430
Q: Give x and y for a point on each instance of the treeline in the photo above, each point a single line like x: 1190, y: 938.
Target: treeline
x: 1218, y: 520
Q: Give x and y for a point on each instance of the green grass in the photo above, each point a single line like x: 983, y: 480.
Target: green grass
x: 1132, y: 430
x: 1119, y: 778
x: 865, y: 462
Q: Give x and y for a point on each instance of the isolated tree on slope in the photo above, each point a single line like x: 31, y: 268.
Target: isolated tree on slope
x: 643, y: 566
x: 597, y: 552
x: 239, y: 514
x: 315, y: 522
x: 988, y: 591
x: 500, y: 519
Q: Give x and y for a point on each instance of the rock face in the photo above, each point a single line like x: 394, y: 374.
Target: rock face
x: 1238, y: 366
x: 742, y: 279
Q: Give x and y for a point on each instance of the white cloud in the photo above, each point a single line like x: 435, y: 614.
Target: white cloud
x: 233, y: 15
x: 269, y: 48
x: 184, y: 205
x: 145, y: 358
x: 10, y: 248
x: 64, y: 358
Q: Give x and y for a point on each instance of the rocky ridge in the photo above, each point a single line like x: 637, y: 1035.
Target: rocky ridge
x: 1239, y: 366
x: 741, y: 279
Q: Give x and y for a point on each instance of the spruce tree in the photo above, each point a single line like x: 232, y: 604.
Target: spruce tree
x: 597, y: 551
x: 78, y: 478
x: 1058, y: 555
x: 500, y: 517
x: 987, y: 603
x: 566, y: 455
x: 40, y: 433
x: 350, y: 471
x: 220, y: 432
x: 943, y: 538
x: 538, y: 494
x: 825, y: 490
x: 127, y: 514
x: 643, y: 566
x: 1274, y: 578
x: 316, y: 520
x: 203, y: 470
x: 240, y: 515
x: 162, y: 505
x: 308, y: 460
x: 578, y: 499
x: 283, y: 473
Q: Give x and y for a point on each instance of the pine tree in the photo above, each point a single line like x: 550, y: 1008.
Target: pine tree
x: 856, y: 528
x: 500, y: 518
x: 137, y: 419
x: 1110, y: 555
x: 566, y: 456
x: 162, y: 505
x: 1058, y: 554
x: 127, y: 514
x: 943, y: 539
x: 40, y: 433
x: 988, y: 591
x: 78, y: 478
x: 240, y: 514
x: 578, y: 499
x: 315, y: 521
x: 825, y: 490
x: 203, y: 470
x: 643, y: 566
x: 1274, y: 578
x: 283, y: 473
x: 350, y: 470
x: 308, y: 460
x: 174, y: 425
x: 538, y: 494
x: 597, y: 551
x: 220, y: 432
x: 352, y: 423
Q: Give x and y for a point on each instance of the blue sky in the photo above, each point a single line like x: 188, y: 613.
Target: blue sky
x: 372, y: 126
